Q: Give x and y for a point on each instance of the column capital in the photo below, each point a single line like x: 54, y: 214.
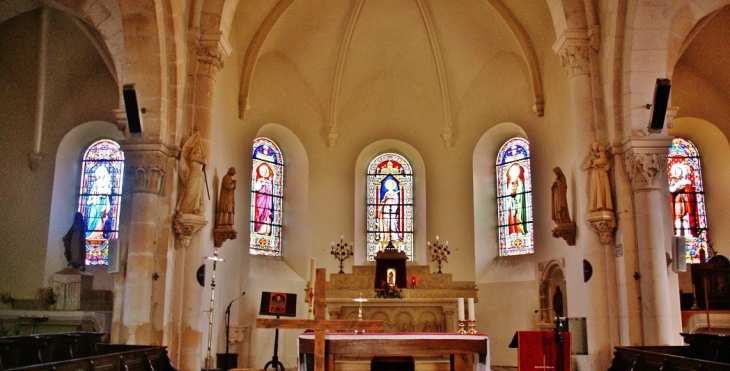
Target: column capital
x: 147, y: 163
x: 645, y: 161
x: 574, y: 50
x: 211, y: 50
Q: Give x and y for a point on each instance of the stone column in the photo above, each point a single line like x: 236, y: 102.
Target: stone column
x: 186, y: 319
x: 146, y: 164
x: 575, y: 52
x: 646, y: 165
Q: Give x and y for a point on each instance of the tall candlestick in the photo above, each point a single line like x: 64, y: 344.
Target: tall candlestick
x: 312, y: 279
x: 460, y: 308
x: 471, y: 309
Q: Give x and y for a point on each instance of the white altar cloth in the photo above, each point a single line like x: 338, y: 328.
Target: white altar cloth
x: 449, y: 340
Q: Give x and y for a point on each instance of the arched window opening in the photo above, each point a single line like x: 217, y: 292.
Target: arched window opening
x: 514, y: 198
x: 389, y: 205
x: 102, y: 171
x: 267, y: 189
x: 687, y: 198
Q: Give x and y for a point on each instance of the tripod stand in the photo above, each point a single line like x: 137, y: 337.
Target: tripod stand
x: 275, y: 360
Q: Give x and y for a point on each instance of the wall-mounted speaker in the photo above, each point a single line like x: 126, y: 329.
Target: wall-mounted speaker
x: 679, y: 263
x: 659, y: 106
x: 134, y: 117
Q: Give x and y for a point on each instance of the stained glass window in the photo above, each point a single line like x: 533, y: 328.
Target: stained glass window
x: 514, y: 198
x: 389, y: 205
x: 100, y: 198
x: 267, y: 189
x: 687, y: 197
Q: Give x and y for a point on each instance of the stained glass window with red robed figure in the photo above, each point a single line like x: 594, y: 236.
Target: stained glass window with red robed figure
x: 389, y: 205
x: 102, y: 172
x: 514, y: 198
x: 687, y: 198
x: 267, y: 189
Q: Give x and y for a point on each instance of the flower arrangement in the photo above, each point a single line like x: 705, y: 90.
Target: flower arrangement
x: 439, y: 252
x: 46, y: 294
x: 388, y: 291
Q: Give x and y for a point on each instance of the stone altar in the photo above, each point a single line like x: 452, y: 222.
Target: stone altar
x: 429, y: 306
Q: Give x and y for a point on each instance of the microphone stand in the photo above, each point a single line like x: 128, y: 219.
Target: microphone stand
x: 225, y: 361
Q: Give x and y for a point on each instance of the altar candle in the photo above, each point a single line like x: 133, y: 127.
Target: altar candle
x: 471, y: 309
x: 312, y: 273
x: 460, y: 308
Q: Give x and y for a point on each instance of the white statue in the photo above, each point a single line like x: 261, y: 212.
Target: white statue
x: 192, y: 165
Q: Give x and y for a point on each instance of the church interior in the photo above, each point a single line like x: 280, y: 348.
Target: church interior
x: 523, y: 155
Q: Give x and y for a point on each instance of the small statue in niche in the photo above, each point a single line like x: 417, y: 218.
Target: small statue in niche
x: 226, y: 201
x: 191, y: 169
x: 74, y: 243
x: 599, y: 184
x: 558, y: 302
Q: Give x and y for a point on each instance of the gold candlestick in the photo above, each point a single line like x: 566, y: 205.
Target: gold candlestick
x: 471, y: 327
x: 461, y: 330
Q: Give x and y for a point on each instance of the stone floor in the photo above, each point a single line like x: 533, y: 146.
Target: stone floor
x: 503, y: 368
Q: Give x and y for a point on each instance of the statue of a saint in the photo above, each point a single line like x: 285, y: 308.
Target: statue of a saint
x: 226, y: 202
x: 74, y: 243
x: 192, y: 164
x: 561, y: 215
x: 600, y: 186
x: 558, y: 302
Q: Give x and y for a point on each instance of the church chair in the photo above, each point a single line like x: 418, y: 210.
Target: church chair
x: 380, y: 363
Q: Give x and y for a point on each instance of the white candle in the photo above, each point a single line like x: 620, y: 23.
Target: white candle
x: 312, y: 273
x: 460, y: 308
x: 471, y: 309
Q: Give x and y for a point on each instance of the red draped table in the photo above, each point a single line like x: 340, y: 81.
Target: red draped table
x: 460, y: 348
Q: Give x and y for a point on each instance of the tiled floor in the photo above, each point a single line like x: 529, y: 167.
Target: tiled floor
x: 503, y: 368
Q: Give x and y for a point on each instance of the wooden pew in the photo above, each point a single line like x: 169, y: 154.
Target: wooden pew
x: 25, y: 350
x: 112, y: 357
x: 656, y: 358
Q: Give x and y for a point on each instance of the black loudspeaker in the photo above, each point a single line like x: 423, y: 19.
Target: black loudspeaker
x: 134, y: 119
x: 659, y: 106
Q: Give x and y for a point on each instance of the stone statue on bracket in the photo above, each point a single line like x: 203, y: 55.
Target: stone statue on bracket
x: 225, y: 211
x: 192, y: 178
x: 565, y: 227
x: 600, y: 216
x: 74, y: 243
x: 191, y: 204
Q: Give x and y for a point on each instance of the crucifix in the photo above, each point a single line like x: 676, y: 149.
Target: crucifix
x: 319, y: 323
x: 544, y: 364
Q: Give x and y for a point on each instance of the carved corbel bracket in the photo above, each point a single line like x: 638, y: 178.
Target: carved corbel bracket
x: 565, y: 231
x: 223, y: 234
x: 237, y: 334
x: 603, y: 222
x: 188, y: 225
x: 34, y: 160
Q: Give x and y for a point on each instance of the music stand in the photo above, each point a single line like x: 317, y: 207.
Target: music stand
x: 277, y: 304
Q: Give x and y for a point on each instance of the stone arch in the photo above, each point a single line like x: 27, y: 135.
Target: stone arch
x: 670, y: 29
x: 64, y: 201
x: 488, y: 268
x: 551, y: 277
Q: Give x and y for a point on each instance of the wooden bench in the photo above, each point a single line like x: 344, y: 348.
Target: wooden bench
x: 113, y: 357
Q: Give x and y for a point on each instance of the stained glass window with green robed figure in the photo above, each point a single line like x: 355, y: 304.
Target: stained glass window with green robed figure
x: 389, y: 204
x: 687, y: 198
x: 267, y: 189
x: 514, y: 198
x: 102, y: 172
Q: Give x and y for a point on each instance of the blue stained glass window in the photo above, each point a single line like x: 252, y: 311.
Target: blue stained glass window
x: 514, y: 198
x: 389, y: 204
x: 100, y: 197
x: 687, y: 198
x: 267, y: 190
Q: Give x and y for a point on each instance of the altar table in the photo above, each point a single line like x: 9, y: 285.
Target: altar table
x: 460, y: 348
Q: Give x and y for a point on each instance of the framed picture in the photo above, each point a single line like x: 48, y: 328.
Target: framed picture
x: 278, y: 304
